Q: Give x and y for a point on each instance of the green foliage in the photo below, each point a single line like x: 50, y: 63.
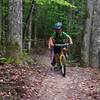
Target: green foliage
x: 64, y: 3
x: 71, y: 12
x: 25, y: 57
x: 3, y: 59
x: 9, y: 60
x: 26, y: 8
x: 6, y: 60
x: 60, y: 2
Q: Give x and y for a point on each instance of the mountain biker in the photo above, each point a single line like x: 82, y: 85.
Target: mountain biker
x: 58, y: 37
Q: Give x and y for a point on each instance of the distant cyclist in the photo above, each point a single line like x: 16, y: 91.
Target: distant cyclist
x: 58, y: 37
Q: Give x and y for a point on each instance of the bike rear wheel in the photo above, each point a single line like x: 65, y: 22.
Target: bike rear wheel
x: 63, y: 65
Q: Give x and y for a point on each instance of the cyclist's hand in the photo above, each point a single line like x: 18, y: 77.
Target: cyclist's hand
x: 51, y: 45
x: 70, y: 45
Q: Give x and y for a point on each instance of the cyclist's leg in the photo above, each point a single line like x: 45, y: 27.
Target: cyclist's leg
x: 55, y: 61
x: 54, y: 52
x: 52, y: 56
x: 65, y: 51
x: 57, y: 53
x: 58, y: 57
x: 55, y: 56
x: 56, y: 66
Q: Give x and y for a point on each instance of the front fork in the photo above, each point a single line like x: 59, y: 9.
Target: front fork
x: 57, y: 57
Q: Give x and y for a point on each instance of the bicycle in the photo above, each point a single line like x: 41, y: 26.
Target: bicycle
x: 62, y: 58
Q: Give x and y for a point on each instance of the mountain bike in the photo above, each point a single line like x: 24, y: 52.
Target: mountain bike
x: 62, y: 58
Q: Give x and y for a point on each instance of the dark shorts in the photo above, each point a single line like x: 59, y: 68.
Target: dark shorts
x: 57, y: 49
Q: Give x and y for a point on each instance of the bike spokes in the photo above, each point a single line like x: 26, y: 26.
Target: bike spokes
x: 63, y: 63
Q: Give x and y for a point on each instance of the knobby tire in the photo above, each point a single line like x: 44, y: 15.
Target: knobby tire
x: 63, y: 65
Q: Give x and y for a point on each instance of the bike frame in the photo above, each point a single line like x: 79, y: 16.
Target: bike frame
x: 62, y: 58
x: 61, y: 55
x: 62, y: 51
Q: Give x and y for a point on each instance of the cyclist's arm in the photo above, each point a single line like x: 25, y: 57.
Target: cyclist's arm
x: 70, y: 39
x: 51, y: 42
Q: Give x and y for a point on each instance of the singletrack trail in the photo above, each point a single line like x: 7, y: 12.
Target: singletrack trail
x: 38, y: 81
x: 79, y: 83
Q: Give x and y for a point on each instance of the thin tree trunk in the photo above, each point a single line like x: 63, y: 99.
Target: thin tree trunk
x: 30, y: 28
x: 3, y: 25
x: 70, y: 17
x: 30, y: 33
x: 35, y: 34
x: 0, y: 20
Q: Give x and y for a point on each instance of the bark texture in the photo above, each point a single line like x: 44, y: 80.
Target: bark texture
x: 0, y: 20
x: 30, y: 27
x: 95, y: 36
x: 91, y: 40
x: 87, y: 33
x: 15, y: 27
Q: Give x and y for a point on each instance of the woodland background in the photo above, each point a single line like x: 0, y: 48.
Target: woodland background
x: 25, y: 27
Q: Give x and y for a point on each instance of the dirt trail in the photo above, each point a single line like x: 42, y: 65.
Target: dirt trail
x: 79, y: 83
x: 39, y: 82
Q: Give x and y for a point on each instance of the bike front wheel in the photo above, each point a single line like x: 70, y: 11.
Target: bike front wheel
x: 63, y: 65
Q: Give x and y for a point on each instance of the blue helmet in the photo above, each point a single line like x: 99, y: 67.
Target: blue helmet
x: 58, y: 25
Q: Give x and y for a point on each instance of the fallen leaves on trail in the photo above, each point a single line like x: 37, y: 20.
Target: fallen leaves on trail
x: 10, y: 81
x: 19, y: 81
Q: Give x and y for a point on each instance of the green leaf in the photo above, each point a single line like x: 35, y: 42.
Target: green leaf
x: 60, y: 2
x: 64, y: 3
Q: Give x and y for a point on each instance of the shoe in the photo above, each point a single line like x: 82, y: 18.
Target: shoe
x: 52, y: 63
x: 55, y: 67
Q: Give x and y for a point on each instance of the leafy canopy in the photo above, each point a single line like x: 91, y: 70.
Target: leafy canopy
x: 64, y: 3
x: 60, y: 2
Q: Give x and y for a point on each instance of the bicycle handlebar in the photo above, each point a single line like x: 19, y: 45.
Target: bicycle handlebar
x: 61, y: 45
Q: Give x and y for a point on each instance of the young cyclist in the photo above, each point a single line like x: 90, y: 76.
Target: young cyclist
x: 58, y: 37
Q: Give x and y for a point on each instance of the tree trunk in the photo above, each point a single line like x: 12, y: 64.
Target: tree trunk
x: 30, y: 33
x: 70, y: 17
x: 95, y: 36
x: 35, y: 34
x: 87, y: 33
x: 91, y: 40
x: 30, y: 27
x: 0, y: 20
x: 14, y: 39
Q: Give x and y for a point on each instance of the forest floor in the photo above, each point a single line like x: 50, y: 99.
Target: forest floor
x: 39, y: 82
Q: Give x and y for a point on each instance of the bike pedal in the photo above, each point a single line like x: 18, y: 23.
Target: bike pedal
x: 59, y: 67
x: 55, y: 69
